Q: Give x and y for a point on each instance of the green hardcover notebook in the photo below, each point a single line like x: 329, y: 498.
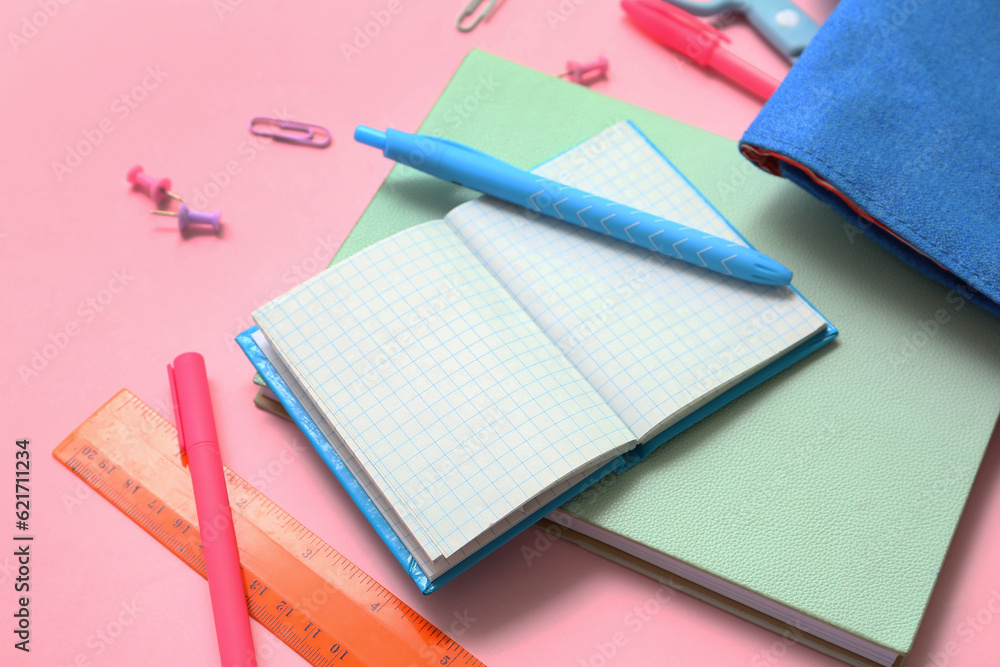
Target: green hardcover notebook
x: 823, y: 500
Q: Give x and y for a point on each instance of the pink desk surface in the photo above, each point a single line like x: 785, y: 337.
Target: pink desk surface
x: 98, y: 295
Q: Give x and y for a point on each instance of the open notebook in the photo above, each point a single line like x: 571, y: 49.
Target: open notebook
x: 473, y: 372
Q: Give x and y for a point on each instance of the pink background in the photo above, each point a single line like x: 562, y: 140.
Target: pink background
x: 74, y: 237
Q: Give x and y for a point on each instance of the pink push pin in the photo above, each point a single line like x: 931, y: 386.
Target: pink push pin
x: 586, y: 73
x: 158, y: 191
x: 186, y: 217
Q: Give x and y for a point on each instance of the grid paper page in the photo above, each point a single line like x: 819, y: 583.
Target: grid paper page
x: 656, y: 337
x: 435, y: 567
x: 453, y: 400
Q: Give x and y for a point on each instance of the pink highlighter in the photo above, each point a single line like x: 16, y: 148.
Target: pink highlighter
x: 699, y: 41
x: 200, y: 442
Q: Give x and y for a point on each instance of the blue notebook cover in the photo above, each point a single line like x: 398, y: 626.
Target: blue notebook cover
x: 357, y: 493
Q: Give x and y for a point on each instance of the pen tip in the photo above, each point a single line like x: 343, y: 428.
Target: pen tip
x: 771, y: 273
x: 370, y: 137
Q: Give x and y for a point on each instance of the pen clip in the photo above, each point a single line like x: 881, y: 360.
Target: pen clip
x: 177, y: 408
x: 464, y: 148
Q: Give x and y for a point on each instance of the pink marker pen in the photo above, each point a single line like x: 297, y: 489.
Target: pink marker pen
x: 200, y: 442
x: 699, y: 41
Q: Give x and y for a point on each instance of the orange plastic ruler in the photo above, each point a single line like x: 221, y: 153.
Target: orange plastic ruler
x: 312, y: 598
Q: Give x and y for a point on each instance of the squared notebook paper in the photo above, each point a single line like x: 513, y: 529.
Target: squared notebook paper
x: 474, y: 370
x: 829, y: 494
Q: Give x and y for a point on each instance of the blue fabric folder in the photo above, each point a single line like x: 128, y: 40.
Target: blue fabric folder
x: 892, y: 116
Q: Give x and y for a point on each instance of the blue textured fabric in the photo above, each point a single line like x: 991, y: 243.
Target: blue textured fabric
x: 896, y: 103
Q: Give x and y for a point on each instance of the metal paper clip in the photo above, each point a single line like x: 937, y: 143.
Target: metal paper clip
x: 291, y: 132
x: 470, y: 9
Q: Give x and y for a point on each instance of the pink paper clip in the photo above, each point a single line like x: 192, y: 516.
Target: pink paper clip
x: 291, y: 132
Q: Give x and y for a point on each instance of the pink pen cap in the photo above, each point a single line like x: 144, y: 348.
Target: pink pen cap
x: 192, y: 402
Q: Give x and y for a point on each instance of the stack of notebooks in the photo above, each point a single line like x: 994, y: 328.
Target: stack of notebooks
x: 471, y: 371
x: 463, y: 377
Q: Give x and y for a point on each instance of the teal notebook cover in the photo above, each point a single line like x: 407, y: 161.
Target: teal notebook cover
x: 471, y: 71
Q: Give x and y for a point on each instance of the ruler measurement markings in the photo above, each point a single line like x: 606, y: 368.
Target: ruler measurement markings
x: 132, y: 505
x: 135, y: 506
x: 138, y: 446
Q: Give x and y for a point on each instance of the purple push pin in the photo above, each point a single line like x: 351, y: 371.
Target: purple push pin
x: 586, y: 73
x: 157, y: 190
x: 186, y: 217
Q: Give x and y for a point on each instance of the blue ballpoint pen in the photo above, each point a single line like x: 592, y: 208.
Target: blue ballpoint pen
x: 478, y: 171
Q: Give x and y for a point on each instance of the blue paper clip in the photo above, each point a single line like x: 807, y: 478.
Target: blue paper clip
x: 291, y: 132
